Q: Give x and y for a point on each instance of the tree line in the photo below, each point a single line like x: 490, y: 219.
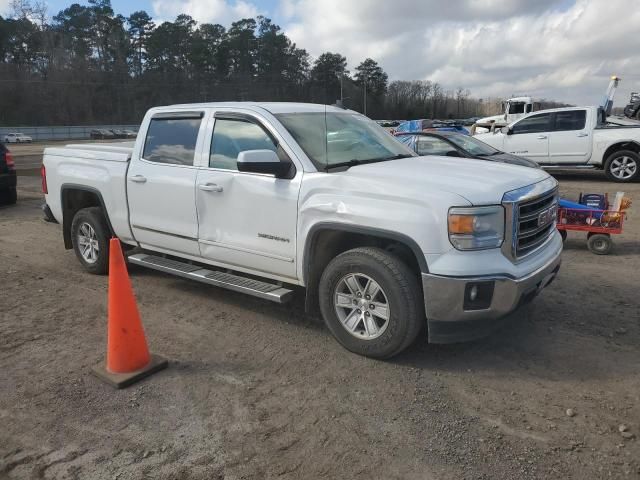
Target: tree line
x: 90, y: 65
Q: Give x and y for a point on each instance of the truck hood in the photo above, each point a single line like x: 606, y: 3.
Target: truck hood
x: 479, y: 182
x: 494, y: 118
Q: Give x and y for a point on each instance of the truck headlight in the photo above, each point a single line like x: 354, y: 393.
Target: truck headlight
x: 476, y: 228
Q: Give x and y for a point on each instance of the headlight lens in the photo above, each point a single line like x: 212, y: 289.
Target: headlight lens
x: 476, y: 228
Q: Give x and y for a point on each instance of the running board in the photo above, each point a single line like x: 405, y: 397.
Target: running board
x: 568, y: 167
x: 230, y: 281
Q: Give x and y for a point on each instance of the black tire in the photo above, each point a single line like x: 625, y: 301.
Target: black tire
x: 8, y: 196
x: 599, y: 243
x: 563, y: 234
x: 613, y: 160
x: 94, y: 217
x: 400, y: 287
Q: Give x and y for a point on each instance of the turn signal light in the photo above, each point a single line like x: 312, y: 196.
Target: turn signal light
x: 43, y: 174
x: 460, y: 224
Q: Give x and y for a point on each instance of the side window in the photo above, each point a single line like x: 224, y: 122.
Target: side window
x: 171, y: 140
x: 432, y: 146
x: 570, y: 120
x: 230, y: 137
x: 533, y: 124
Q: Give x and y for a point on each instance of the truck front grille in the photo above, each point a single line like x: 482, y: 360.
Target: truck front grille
x: 535, y: 222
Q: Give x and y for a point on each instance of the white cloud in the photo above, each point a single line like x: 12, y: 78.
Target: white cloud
x: 204, y: 11
x: 556, y: 49
x: 5, y: 7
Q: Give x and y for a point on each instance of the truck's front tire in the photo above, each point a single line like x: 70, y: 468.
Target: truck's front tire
x: 90, y: 238
x: 623, y: 166
x: 371, y: 301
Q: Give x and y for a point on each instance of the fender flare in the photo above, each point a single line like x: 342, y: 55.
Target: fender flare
x: 312, y: 235
x: 67, y: 219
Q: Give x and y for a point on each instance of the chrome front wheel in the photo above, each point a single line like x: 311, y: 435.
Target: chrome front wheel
x: 361, y: 306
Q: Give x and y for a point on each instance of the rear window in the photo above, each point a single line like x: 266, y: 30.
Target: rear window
x: 172, y: 140
x: 570, y: 120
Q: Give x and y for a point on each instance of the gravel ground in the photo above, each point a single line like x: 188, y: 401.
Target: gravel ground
x: 256, y: 390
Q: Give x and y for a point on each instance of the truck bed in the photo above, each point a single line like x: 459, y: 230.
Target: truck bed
x: 96, y: 168
x: 113, y: 152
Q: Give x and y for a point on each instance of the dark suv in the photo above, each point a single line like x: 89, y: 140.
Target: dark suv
x: 8, y: 194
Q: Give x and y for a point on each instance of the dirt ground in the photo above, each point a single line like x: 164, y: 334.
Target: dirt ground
x: 256, y: 390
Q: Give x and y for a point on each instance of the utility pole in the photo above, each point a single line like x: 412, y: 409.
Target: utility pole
x: 364, y: 83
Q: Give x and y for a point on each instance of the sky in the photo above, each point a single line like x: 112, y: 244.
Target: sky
x: 564, y: 50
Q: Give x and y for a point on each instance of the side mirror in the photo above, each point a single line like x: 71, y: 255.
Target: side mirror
x: 506, y: 130
x: 453, y: 153
x: 263, y: 161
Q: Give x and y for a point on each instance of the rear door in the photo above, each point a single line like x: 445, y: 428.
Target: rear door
x: 161, y: 183
x: 247, y: 220
x: 529, y: 137
x: 570, y: 141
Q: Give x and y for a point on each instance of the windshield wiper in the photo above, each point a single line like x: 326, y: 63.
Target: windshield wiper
x: 354, y: 162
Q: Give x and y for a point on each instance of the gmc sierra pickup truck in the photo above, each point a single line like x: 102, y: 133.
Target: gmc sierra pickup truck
x: 263, y: 197
x: 575, y: 137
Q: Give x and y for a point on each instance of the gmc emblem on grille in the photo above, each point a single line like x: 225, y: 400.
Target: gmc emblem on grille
x: 547, y: 216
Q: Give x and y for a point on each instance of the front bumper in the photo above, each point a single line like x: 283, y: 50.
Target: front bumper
x: 445, y: 298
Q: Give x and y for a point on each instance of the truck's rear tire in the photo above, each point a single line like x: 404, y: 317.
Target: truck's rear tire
x: 623, y: 166
x: 372, y: 302
x: 90, y: 237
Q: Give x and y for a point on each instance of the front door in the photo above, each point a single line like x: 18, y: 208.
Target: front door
x: 161, y: 185
x: 246, y: 221
x: 529, y: 138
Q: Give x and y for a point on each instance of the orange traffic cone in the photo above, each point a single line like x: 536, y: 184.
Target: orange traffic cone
x: 128, y: 358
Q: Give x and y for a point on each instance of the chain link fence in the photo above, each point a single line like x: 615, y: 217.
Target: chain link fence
x: 62, y: 133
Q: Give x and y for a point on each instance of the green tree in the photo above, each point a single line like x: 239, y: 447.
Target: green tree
x: 371, y: 74
x: 140, y: 27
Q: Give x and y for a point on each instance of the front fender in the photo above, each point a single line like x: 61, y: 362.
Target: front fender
x: 417, y: 220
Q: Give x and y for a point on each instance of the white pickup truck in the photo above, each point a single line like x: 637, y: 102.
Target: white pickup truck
x: 261, y: 198
x: 576, y: 137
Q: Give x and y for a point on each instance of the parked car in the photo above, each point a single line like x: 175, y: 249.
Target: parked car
x: 119, y: 133
x: 413, y: 126
x: 130, y: 133
x: 453, y: 144
x: 8, y: 180
x: 17, y: 138
x: 386, y: 244
x: 101, y: 134
x: 573, y: 137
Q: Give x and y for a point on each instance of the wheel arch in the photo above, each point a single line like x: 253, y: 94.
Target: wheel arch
x: 620, y: 145
x: 326, y: 240
x: 76, y: 197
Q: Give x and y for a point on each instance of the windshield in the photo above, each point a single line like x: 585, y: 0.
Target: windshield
x: 341, y: 138
x: 472, y: 145
x: 516, y: 107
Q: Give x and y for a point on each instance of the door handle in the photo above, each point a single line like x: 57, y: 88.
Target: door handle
x: 210, y: 187
x: 582, y: 134
x: 138, y: 178
x: 541, y: 137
